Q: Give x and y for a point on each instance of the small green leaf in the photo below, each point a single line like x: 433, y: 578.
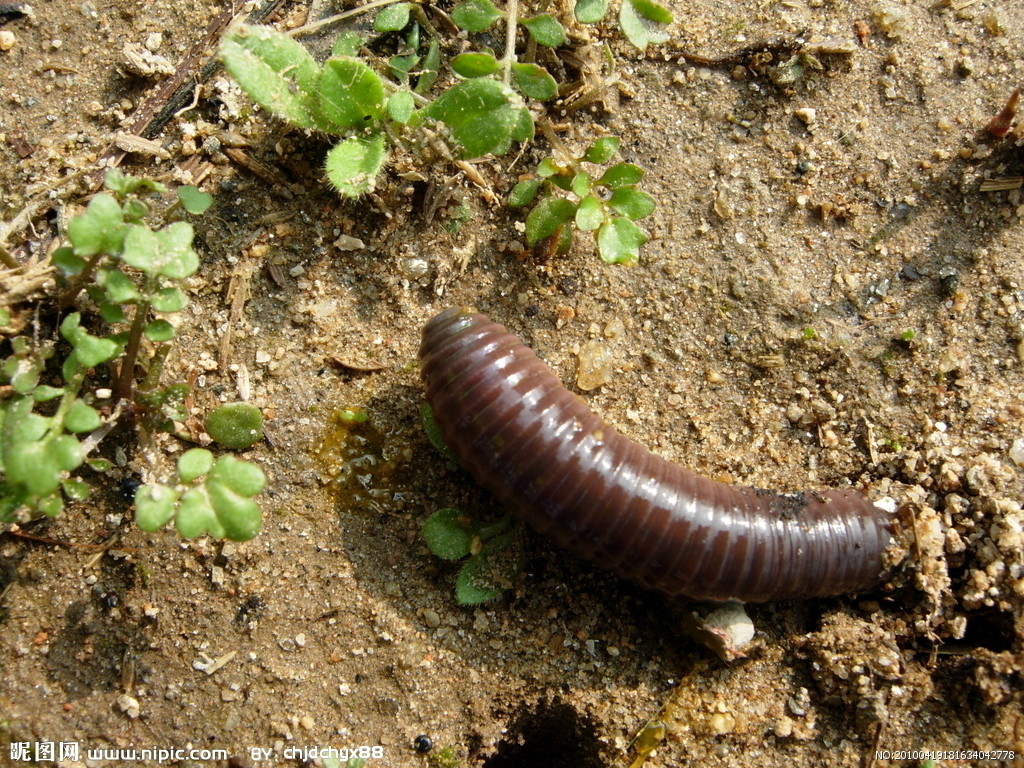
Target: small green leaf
x: 434, y: 434
x: 166, y: 252
x: 474, y: 584
x: 112, y: 313
x: 81, y: 418
x: 545, y: 30
x: 546, y: 218
x: 431, y: 64
x: 582, y: 184
x: 448, y: 534
x: 483, y: 115
x: 193, y: 199
x: 196, y: 516
x: 548, y: 168
x: 590, y: 11
x: 66, y: 262
x: 169, y: 300
x: 193, y: 464
x: 401, y: 106
x: 34, y: 467
x: 353, y: 165
x: 135, y: 210
x: 100, y: 229
x: 348, y: 44
x: 75, y: 489
x: 43, y: 393
x: 351, y: 94
x: 602, y: 150
x: 154, y: 506
x: 619, y: 241
x: 621, y: 175
x: 90, y: 351
x: 392, y: 18
x: 591, y: 214
x: 524, y: 193
x: 66, y: 452
x: 122, y: 185
x: 159, y: 330
x: 631, y: 202
x: 475, y: 15
x: 240, y: 517
x: 643, y: 22
x: 474, y: 64
x: 534, y: 81
x: 276, y: 71
x: 118, y: 287
x: 242, y: 477
x: 235, y: 425
x: 51, y: 505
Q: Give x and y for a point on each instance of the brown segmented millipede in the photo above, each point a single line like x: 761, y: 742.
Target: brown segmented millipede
x: 538, y: 448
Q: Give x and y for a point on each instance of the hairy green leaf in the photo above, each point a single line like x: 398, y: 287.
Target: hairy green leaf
x: 631, y: 202
x: 352, y: 165
x: 193, y: 464
x: 474, y: 64
x: 591, y: 214
x: 167, y: 252
x: 643, y: 22
x: 276, y: 71
x: 602, y: 150
x: 483, y: 115
x: 590, y: 11
x: 448, y: 534
x: 351, y: 94
x: 100, y: 229
x: 392, y: 18
x: 621, y: 175
x: 524, y: 193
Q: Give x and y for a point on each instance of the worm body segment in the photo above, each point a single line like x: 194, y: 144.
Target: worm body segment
x: 538, y: 448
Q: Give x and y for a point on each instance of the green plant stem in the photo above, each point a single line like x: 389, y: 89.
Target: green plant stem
x: 78, y: 282
x: 126, y: 376
x: 511, y: 19
x: 8, y: 260
x: 71, y: 389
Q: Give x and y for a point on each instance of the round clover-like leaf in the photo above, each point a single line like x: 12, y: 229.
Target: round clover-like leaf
x: 392, y: 18
x: 100, y: 229
x: 235, y: 425
x: 193, y: 199
x: 401, y: 105
x: 239, y: 515
x: 643, y: 22
x: 154, y: 506
x: 166, y: 252
x: 193, y: 464
x: 524, y: 192
x: 81, y: 417
x: 196, y: 516
x: 242, y: 477
x: 621, y: 175
x: 159, y: 330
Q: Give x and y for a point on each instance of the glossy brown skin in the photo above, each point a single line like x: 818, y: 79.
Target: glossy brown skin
x: 539, y: 448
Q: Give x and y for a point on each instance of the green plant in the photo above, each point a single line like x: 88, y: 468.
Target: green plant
x: 235, y: 425
x: 59, y: 404
x: 608, y: 203
x: 206, y: 495
x: 492, y: 551
x: 373, y: 111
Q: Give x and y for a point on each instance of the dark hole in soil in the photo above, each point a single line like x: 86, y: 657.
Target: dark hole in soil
x: 552, y: 734
x: 991, y: 630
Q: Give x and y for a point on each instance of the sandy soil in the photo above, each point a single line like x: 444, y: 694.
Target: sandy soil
x: 828, y: 299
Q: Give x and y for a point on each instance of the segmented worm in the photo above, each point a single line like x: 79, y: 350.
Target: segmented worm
x: 540, y: 450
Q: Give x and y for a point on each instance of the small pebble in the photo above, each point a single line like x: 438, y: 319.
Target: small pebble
x: 1017, y: 452
x: 807, y: 114
x: 595, y: 365
x: 7, y: 40
x: 128, y: 705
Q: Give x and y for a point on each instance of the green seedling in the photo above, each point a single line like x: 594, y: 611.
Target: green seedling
x: 492, y: 553
x: 345, y: 97
x: 207, y: 496
x: 54, y: 413
x: 236, y: 425
x: 607, y: 203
